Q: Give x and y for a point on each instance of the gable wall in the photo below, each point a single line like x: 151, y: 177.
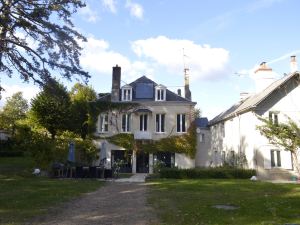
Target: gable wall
x: 241, y: 134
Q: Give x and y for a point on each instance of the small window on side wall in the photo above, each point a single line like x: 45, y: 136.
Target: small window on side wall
x: 103, y: 123
x: 273, y: 117
x: 202, y: 137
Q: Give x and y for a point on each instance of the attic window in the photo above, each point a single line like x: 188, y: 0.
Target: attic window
x: 126, y: 93
x: 160, y: 93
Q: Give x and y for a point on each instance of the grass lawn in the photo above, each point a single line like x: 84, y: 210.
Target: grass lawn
x: 23, y: 196
x: 192, y: 201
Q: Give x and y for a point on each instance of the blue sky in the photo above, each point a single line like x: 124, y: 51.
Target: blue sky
x: 223, y: 41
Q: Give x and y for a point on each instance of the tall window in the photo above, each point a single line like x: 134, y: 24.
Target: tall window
x: 143, y: 122
x: 126, y: 122
x: 181, y: 123
x: 273, y: 117
x: 103, y: 123
x: 160, y: 123
x: 160, y: 93
x: 275, y: 158
x: 127, y: 94
x: 202, y: 137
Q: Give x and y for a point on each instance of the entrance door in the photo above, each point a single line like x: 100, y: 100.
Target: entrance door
x: 118, y: 155
x: 142, y: 162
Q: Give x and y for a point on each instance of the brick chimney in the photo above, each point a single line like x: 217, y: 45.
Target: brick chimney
x: 294, y: 66
x: 187, y: 92
x: 116, y: 83
x: 263, y: 77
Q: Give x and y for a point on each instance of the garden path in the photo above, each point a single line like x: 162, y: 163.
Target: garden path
x: 114, y: 203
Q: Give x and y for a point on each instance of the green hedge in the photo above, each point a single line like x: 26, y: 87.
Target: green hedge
x: 204, y: 173
x: 11, y: 153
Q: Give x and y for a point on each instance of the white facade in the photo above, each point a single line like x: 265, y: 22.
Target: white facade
x: 235, y: 138
x: 159, y: 114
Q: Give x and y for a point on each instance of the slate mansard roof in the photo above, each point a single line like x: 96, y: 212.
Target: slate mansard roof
x: 144, y: 90
x: 253, y: 101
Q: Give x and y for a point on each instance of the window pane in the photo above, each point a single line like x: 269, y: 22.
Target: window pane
x: 272, y: 158
x: 178, y: 123
x: 124, y: 122
x: 145, y: 122
x: 270, y: 116
x: 162, y: 95
x: 183, y: 122
x: 162, y: 124
x: 275, y: 119
x: 157, y: 122
x: 141, y: 122
x: 278, y: 159
x: 128, y: 122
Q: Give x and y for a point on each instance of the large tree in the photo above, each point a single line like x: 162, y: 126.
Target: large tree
x: 284, y: 135
x: 14, y: 109
x: 51, y: 107
x: 37, y: 37
x: 81, y: 95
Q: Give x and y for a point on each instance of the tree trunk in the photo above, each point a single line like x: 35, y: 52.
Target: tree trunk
x: 3, y: 29
x: 296, y: 162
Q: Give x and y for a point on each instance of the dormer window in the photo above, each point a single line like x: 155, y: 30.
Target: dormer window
x: 160, y: 93
x: 126, y: 93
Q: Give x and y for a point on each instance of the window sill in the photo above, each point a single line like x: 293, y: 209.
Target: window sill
x: 160, y: 132
x: 126, y: 132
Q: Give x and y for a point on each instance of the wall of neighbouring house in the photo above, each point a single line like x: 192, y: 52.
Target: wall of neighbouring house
x: 203, y: 156
x: 241, y: 135
x: 182, y: 161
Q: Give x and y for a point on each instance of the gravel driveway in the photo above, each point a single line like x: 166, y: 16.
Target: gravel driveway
x: 114, y: 203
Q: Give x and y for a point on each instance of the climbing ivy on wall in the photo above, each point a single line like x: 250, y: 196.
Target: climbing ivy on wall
x: 185, y: 143
x: 97, y: 107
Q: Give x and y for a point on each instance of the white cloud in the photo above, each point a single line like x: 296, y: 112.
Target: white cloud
x: 28, y: 92
x: 136, y: 10
x: 204, y: 61
x: 89, y: 14
x: 110, y: 5
x: 98, y: 58
x: 261, y: 4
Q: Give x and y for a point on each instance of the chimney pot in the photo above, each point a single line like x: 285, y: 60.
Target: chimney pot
x: 293, y: 63
x: 116, y: 83
x: 179, y: 92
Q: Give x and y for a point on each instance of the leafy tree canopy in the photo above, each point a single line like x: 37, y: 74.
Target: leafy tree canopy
x: 37, y: 37
x: 80, y: 96
x: 284, y: 135
x: 51, y: 107
x: 14, y: 109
